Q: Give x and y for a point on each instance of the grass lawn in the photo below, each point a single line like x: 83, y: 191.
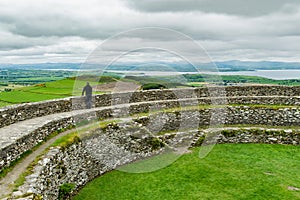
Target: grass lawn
x: 230, y: 171
x: 50, y: 90
x: 23, y: 97
x: 2, y: 104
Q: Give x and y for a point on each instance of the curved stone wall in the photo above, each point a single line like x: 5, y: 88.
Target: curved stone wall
x: 13, y: 147
x: 65, y: 112
x: 84, y: 160
x: 21, y: 112
x: 14, y: 144
x: 187, y: 119
x: 235, y: 94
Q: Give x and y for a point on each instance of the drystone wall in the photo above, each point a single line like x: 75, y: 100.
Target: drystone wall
x: 13, y: 147
x: 214, y: 95
x: 259, y: 135
x: 13, y: 150
x: 21, y: 112
x: 230, y: 115
x: 84, y: 160
x: 124, y: 104
x: 21, y: 139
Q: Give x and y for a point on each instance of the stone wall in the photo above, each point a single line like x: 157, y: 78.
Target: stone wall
x: 234, y: 94
x: 118, y: 106
x: 230, y: 115
x: 82, y: 161
x: 13, y: 148
x: 265, y: 90
x: 12, y: 151
x: 259, y: 135
x: 21, y: 112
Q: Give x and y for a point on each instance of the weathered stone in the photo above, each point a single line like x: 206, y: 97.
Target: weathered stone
x: 213, y: 95
x: 24, y: 126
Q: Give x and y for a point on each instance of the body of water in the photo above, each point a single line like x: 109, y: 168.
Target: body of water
x: 272, y: 74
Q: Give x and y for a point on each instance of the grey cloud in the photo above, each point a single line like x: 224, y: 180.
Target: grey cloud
x: 231, y: 7
x: 258, y: 48
x: 226, y: 28
x: 101, y: 25
x: 11, y: 41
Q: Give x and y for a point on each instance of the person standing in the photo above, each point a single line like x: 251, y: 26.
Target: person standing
x: 88, y: 90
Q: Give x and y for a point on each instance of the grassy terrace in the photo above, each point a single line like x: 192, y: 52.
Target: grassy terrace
x: 230, y: 171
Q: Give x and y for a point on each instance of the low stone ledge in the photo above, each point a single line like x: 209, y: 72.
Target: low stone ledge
x: 234, y: 135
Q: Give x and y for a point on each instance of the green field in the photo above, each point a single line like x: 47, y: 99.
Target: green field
x: 237, y: 79
x: 230, y: 171
x: 3, y: 104
x: 46, y: 91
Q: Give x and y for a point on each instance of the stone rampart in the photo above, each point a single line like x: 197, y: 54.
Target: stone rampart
x: 67, y: 112
x: 18, y: 141
x: 234, y: 95
x: 83, y: 160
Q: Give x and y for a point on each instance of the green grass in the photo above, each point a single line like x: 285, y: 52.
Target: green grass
x: 80, y: 132
x: 66, y: 140
x: 3, y: 104
x: 103, y: 124
x: 46, y: 91
x: 230, y: 171
x: 23, y: 97
x: 150, y: 164
x: 233, y: 79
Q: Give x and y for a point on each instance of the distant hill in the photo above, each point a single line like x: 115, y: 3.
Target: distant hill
x: 233, y: 65
x: 42, y: 66
x: 236, y: 65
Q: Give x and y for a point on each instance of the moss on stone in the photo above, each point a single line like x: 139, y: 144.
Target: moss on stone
x: 155, y: 143
x: 65, y: 190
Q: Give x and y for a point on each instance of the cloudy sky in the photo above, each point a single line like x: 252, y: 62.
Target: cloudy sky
x: 34, y: 31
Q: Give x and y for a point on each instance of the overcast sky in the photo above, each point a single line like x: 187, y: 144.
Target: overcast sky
x: 34, y: 31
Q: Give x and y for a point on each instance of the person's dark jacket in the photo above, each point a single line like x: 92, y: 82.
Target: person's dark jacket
x: 87, y: 90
